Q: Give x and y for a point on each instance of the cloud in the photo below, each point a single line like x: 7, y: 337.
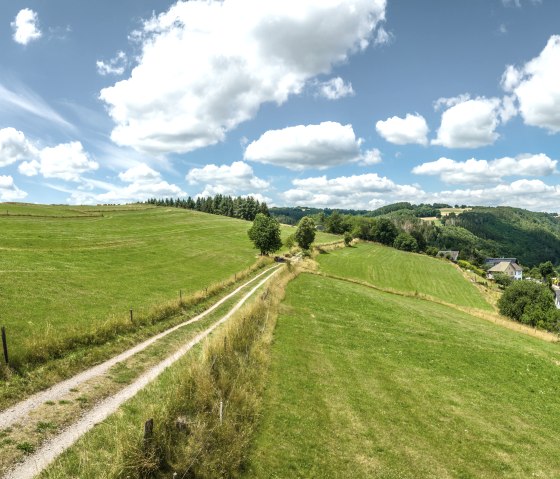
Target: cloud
x: 308, y: 146
x: 140, y: 173
x: 24, y: 99
x: 366, y: 191
x: 537, y: 88
x: 142, y: 181
x: 370, y: 157
x: 237, y: 178
x: 9, y: 191
x: 14, y: 147
x: 25, y: 26
x: 207, y: 66
x: 335, y: 88
x: 517, y: 3
x: 468, y: 123
x: 481, y: 171
x: 115, y: 66
x: 383, y: 37
x: 403, y: 131
x: 529, y: 194
x: 67, y: 161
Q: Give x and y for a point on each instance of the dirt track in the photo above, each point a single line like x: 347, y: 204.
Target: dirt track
x: 36, y: 462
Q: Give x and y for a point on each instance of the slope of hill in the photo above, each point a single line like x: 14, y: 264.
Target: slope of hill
x: 65, y: 275
x: 397, y: 270
x: 64, y: 271
x: 369, y: 384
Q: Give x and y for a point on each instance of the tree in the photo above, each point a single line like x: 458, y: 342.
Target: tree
x: 504, y: 280
x: 305, y: 233
x: 348, y: 238
x: 384, y: 231
x: 265, y: 234
x: 405, y: 242
x: 290, y: 242
x: 335, y: 223
x: 529, y: 303
x: 546, y: 269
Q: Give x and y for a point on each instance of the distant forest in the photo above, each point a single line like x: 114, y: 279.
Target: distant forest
x: 479, y: 232
x: 245, y: 208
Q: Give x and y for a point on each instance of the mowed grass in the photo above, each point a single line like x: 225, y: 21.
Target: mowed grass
x: 396, y: 270
x: 66, y: 270
x: 366, y: 384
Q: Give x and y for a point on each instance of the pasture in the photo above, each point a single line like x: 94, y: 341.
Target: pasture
x: 64, y: 270
x: 396, y: 270
x: 367, y: 384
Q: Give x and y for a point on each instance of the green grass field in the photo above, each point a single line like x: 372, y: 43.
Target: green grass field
x: 65, y: 270
x: 366, y: 384
x: 397, y: 270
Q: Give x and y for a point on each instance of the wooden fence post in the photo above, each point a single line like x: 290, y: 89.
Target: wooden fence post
x: 131, y: 315
x: 5, y: 344
x: 148, y: 430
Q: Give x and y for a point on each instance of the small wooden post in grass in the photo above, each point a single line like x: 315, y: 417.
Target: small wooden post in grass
x: 131, y: 317
x: 180, y: 295
x: 148, y: 430
x: 221, y: 411
x: 5, y: 344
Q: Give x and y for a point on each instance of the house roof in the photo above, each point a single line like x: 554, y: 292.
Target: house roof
x: 503, y: 266
x: 495, y: 261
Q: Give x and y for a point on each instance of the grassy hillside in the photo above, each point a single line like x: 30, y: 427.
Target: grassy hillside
x: 366, y: 384
x: 66, y: 270
x: 69, y: 273
x: 397, y: 270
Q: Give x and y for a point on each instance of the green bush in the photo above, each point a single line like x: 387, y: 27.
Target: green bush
x: 405, y: 242
x: 530, y: 303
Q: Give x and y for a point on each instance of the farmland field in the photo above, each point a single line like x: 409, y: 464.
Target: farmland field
x: 367, y: 384
x: 65, y: 270
x: 396, y: 270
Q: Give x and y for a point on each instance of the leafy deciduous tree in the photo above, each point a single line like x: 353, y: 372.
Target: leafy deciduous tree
x: 305, y: 233
x: 265, y: 234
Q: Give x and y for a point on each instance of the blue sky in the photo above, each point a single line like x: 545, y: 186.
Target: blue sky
x: 328, y: 103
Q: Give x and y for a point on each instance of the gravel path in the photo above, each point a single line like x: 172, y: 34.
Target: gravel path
x: 20, y: 410
x: 47, y: 453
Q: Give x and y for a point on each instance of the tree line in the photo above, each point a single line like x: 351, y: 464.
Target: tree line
x: 245, y: 208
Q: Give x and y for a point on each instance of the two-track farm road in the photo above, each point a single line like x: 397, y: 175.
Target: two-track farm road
x: 36, y: 462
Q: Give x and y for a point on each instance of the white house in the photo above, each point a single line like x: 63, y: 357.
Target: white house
x: 557, y: 298
x: 506, y: 267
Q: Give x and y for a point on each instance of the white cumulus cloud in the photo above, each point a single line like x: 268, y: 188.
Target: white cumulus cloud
x: 66, y: 161
x: 536, y: 86
x: 367, y: 191
x: 235, y: 179
x: 477, y: 172
x: 308, y: 146
x: 207, y: 66
x: 468, y: 123
x: 404, y: 131
x: 140, y: 173
x: 142, y: 183
x: 529, y: 194
x: 14, y: 147
x: 115, y: 66
x: 335, y: 88
x: 9, y: 191
x: 26, y: 26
